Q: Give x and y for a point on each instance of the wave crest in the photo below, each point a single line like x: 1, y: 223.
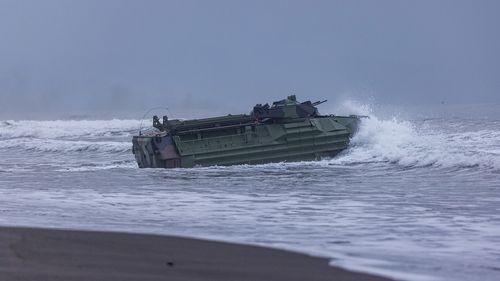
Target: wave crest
x: 68, y: 128
x: 438, y: 143
x: 54, y: 146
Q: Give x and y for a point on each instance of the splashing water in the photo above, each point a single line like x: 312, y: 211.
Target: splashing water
x: 412, y: 200
x: 438, y: 143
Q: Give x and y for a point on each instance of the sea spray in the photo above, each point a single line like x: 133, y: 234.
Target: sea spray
x: 408, y: 198
x: 420, y: 144
x: 65, y: 146
x: 67, y: 128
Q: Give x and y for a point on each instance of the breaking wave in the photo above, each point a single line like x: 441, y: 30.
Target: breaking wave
x: 111, y: 136
x: 438, y: 143
x: 51, y: 145
x: 68, y: 128
x: 422, y: 143
x: 90, y: 167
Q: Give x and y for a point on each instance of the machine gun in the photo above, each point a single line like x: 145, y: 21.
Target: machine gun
x: 318, y: 103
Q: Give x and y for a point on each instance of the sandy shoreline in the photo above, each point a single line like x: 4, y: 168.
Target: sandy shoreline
x: 46, y: 254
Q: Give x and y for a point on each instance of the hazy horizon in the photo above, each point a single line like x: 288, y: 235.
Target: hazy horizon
x: 104, y: 59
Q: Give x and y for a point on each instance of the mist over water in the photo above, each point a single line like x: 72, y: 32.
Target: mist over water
x: 416, y: 199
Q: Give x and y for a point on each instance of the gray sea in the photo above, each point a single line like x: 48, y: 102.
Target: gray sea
x: 411, y: 199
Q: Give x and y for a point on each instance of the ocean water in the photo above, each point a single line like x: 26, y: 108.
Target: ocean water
x: 410, y: 199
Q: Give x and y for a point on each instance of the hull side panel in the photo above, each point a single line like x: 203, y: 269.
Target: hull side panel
x: 303, y: 140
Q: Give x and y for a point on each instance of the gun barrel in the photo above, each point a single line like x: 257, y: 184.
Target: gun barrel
x: 319, y: 102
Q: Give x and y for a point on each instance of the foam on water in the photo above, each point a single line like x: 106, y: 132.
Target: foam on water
x: 403, y: 198
x: 63, y: 146
x: 68, y: 128
x: 100, y: 166
x: 68, y: 136
x: 403, y: 143
x: 389, y: 141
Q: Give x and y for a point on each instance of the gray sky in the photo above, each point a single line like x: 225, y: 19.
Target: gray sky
x: 89, y: 57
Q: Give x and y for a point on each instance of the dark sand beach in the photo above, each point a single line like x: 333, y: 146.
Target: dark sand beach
x: 46, y: 254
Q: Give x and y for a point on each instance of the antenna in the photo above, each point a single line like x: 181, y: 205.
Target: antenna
x: 149, y: 111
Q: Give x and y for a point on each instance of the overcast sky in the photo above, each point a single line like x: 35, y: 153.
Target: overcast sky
x: 127, y: 56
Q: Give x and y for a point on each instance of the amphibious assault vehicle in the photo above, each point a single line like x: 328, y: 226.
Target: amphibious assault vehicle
x: 285, y: 131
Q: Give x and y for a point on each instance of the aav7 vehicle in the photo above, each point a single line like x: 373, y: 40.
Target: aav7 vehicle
x: 285, y: 131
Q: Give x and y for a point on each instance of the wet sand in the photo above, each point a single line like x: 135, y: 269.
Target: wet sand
x: 43, y: 254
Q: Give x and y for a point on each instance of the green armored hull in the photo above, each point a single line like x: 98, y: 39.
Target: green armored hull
x: 286, y: 131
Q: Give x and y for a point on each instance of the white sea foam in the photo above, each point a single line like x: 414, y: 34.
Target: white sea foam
x: 367, y: 207
x: 404, y: 143
x: 51, y: 145
x: 68, y: 135
x: 378, y: 140
x: 100, y: 166
x: 68, y: 128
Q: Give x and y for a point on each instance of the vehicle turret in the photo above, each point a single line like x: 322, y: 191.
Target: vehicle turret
x: 287, y: 108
